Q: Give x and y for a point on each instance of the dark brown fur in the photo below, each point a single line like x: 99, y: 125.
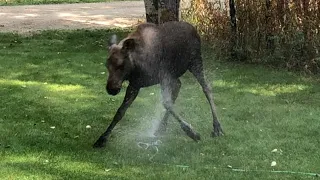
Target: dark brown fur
x: 157, y: 55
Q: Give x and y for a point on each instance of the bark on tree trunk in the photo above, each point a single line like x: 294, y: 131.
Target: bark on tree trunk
x: 233, y: 22
x: 160, y: 11
x: 269, y: 27
x: 309, y: 52
x: 169, y: 10
x: 152, y: 11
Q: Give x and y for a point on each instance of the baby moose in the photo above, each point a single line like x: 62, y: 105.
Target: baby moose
x: 157, y: 55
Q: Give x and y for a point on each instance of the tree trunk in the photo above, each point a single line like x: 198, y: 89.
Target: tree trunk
x: 233, y: 22
x: 160, y: 11
x: 309, y: 52
x: 281, y: 13
x: 269, y: 27
x: 169, y: 10
x: 152, y: 11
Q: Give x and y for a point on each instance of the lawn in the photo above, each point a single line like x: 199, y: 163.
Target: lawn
x: 52, y: 86
x: 31, y: 2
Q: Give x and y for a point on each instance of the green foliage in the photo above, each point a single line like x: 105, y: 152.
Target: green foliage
x: 57, y: 78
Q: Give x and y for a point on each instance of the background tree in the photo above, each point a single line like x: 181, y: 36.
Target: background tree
x: 233, y: 23
x: 160, y: 11
x: 152, y: 11
x: 269, y: 26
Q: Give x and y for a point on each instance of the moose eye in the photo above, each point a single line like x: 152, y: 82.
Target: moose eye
x: 120, y: 67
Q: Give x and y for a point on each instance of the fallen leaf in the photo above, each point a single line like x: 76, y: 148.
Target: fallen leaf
x: 275, y: 150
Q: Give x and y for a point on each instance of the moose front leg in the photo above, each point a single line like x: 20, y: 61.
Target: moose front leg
x: 130, y: 96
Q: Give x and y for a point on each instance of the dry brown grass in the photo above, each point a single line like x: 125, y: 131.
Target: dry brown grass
x: 285, y: 33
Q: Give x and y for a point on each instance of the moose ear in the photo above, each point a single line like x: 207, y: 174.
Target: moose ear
x: 129, y: 44
x: 113, y: 40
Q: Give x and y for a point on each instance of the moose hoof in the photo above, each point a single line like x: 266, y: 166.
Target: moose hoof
x: 217, y: 132
x: 196, y: 137
x: 101, y: 142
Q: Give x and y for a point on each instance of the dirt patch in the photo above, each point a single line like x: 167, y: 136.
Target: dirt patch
x: 30, y: 18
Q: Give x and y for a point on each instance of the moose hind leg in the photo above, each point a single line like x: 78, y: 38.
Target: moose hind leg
x: 166, y: 86
x: 197, y: 70
x: 173, y: 95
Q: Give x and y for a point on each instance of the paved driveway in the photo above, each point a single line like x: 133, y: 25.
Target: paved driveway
x: 24, y: 19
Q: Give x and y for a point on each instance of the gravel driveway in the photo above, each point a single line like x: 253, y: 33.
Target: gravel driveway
x: 24, y: 19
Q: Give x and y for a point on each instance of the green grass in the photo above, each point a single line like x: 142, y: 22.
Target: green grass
x: 32, y: 2
x: 56, y: 79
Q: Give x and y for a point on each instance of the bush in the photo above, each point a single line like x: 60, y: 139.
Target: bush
x: 279, y: 33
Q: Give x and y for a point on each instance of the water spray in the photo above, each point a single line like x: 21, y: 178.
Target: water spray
x: 154, y: 144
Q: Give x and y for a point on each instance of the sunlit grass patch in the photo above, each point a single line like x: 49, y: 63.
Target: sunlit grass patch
x: 265, y: 90
x: 51, y: 92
